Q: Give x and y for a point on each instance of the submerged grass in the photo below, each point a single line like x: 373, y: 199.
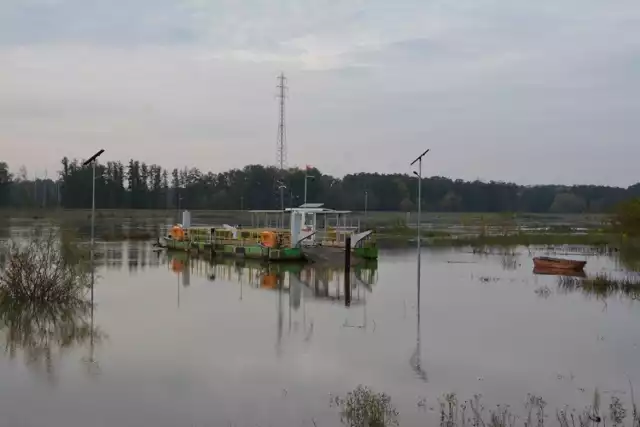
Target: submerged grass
x: 363, y: 407
x: 366, y: 408
x: 602, y: 285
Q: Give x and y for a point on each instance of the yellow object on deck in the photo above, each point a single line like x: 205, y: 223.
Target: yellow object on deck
x: 268, y: 239
x: 177, y: 232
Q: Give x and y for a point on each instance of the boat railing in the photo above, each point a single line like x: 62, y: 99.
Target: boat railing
x: 336, y: 237
x: 220, y: 236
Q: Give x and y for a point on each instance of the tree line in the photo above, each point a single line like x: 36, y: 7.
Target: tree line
x: 138, y: 185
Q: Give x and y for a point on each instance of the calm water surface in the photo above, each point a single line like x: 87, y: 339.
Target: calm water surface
x: 185, y: 342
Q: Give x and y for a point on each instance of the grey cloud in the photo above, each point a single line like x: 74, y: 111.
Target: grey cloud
x: 95, y: 21
x: 492, y: 87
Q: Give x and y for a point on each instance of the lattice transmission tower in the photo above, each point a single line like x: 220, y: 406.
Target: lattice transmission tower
x: 281, y: 156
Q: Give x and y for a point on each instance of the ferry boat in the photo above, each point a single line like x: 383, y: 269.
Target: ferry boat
x: 265, y: 244
x: 306, y: 238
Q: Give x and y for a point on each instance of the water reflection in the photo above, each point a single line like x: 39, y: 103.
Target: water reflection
x: 509, y: 260
x: 300, y: 283
x: 558, y: 272
x: 324, y: 283
x: 42, y: 333
x: 416, y: 357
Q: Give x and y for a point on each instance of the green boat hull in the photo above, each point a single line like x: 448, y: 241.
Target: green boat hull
x: 239, y: 250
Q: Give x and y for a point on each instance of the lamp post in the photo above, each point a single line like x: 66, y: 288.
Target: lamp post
x: 306, y: 178
x: 419, y: 175
x: 92, y: 160
x: 179, y: 197
x: 416, y: 362
x: 282, y: 187
x: 366, y: 203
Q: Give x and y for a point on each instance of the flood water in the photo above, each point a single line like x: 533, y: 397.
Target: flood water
x: 187, y: 342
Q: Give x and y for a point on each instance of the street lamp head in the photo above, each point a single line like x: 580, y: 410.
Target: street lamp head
x: 93, y: 158
x: 416, y: 174
x: 420, y: 156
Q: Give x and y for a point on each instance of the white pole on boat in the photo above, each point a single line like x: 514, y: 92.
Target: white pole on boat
x: 282, y: 187
x: 306, y: 178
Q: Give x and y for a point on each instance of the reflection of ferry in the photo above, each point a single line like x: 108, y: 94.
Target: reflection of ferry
x: 324, y: 283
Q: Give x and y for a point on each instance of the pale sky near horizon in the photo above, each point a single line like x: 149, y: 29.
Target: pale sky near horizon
x: 543, y: 91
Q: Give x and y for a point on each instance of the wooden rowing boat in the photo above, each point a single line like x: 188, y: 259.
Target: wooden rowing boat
x: 548, y: 263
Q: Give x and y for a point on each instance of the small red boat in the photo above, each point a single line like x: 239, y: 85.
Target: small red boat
x: 548, y: 263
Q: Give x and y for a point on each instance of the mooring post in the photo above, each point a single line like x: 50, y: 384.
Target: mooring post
x: 347, y: 271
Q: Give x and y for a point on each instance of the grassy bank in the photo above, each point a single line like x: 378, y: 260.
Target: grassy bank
x: 553, y: 235
x: 371, y: 219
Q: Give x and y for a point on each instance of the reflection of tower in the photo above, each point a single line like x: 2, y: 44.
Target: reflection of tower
x: 295, y: 291
x: 280, y: 316
x: 186, y: 275
x: 132, y: 255
x: 143, y: 255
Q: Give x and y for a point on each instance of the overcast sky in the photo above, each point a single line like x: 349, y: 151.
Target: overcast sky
x: 544, y: 91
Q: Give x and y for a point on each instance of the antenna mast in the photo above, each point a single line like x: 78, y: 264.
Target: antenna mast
x: 282, y: 140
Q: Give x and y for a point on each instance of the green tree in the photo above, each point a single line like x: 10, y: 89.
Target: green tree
x: 139, y: 185
x: 5, y: 184
x: 627, y: 217
x: 568, y: 203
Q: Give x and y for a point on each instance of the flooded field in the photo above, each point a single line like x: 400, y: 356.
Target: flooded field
x: 178, y: 341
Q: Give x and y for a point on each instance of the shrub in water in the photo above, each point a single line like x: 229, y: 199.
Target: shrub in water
x: 42, y: 270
